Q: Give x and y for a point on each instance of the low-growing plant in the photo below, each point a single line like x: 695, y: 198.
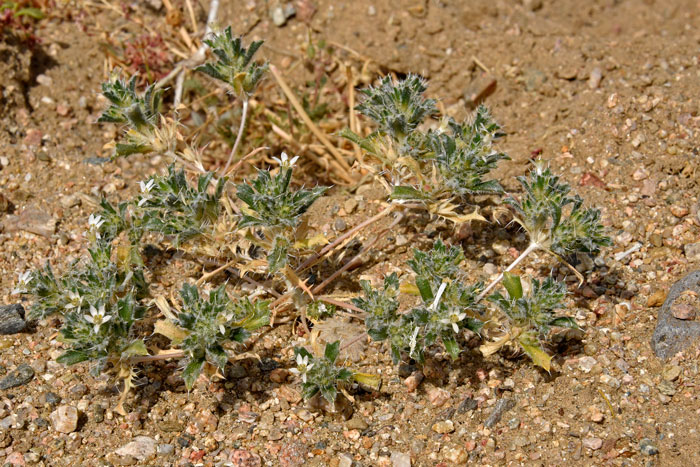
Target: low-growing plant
x: 433, y: 167
x: 323, y: 375
x: 448, y: 306
x: 529, y: 317
x: 258, y: 232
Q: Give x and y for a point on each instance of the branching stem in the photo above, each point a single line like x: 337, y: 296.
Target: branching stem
x: 241, y: 128
x: 532, y: 247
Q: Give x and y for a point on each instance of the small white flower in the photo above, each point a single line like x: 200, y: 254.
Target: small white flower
x: 97, y: 317
x: 23, y: 280
x: 303, y: 367
x: 75, y: 300
x: 94, y: 224
x: 285, y: 161
x: 454, y: 318
x: 146, y: 188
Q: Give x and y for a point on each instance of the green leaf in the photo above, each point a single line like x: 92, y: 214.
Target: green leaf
x: 217, y: 355
x: 564, y: 322
x: 137, y: 347
x: 513, y: 285
x: 191, y: 372
x: 332, y: 351
x: 538, y: 356
x: 408, y: 193
x: 426, y: 291
x: 71, y: 357
x: 329, y: 393
x: 277, y: 259
x: 451, y: 346
x: 31, y: 12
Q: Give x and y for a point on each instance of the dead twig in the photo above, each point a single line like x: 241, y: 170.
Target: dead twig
x: 346, y: 170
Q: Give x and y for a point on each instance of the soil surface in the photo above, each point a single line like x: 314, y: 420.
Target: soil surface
x: 604, y: 90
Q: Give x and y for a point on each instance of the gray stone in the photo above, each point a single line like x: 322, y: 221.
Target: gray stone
x: 501, y: 407
x: 165, y: 449
x: 142, y: 448
x: 647, y: 447
x: 344, y: 460
x: 12, y: 319
x: 22, y: 375
x: 280, y: 14
x: 673, y: 335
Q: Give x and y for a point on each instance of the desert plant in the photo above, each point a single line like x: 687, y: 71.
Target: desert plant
x: 448, y: 306
x: 529, y: 317
x: 433, y: 167
x: 236, y: 68
x: 323, y: 375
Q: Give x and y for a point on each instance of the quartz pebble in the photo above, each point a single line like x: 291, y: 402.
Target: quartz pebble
x: 65, y: 419
x: 444, y: 426
x: 142, y: 448
x: 593, y: 443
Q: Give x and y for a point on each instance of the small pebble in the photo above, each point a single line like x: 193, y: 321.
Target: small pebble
x: 64, y: 419
x: 683, y: 311
x: 671, y: 372
x: 593, y: 443
x: 142, y: 448
x: 340, y: 225
x: 657, y: 298
x: 444, y: 426
x: 438, y: 396
x: 22, y: 375
x: 647, y: 447
x: 692, y: 251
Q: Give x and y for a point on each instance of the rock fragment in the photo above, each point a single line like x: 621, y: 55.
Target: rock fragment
x: 12, y: 319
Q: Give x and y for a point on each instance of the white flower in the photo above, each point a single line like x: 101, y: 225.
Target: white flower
x: 303, y: 366
x: 94, y: 224
x: 146, y: 188
x: 23, y: 280
x: 284, y: 161
x: 454, y: 318
x: 97, y: 317
x: 75, y: 300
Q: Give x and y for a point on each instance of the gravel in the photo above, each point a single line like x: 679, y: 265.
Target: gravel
x: 21, y: 376
x: 12, y: 319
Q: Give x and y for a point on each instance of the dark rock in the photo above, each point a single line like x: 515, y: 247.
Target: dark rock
x: 12, y: 319
x: 647, y: 447
x: 50, y: 398
x: 22, y: 375
x: 673, y: 335
x: 467, y: 404
x: 501, y: 407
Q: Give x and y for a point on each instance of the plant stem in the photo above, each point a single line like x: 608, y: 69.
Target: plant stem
x: 244, y: 115
x: 355, y: 259
x: 350, y: 233
x: 532, y: 247
x: 160, y: 356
